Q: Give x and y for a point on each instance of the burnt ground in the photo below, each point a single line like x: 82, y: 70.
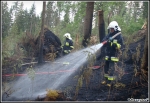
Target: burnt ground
x: 131, y: 84
x: 89, y: 88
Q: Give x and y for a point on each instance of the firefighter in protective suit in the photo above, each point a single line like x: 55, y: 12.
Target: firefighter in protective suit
x: 68, y: 44
x: 111, y: 52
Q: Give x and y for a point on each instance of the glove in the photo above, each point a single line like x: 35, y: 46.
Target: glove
x: 65, y: 51
x: 62, y: 46
x: 110, y: 39
x: 114, y: 45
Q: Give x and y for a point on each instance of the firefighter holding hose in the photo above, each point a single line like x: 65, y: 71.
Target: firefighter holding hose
x: 112, y: 47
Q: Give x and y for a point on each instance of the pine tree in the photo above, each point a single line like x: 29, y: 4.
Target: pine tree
x: 6, y: 19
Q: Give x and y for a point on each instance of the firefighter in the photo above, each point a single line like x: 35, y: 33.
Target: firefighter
x: 68, y: 44
x: 111, y: 52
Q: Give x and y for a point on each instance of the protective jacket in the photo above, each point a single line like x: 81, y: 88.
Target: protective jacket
x: 111, y: 47
x: 68, y: 46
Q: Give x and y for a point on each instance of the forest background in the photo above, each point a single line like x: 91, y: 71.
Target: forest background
x: 62, y: 17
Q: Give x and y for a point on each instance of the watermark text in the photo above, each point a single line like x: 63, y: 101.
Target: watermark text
x: 138, y: 100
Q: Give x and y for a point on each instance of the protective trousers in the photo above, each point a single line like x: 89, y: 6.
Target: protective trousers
x: 109, y: 71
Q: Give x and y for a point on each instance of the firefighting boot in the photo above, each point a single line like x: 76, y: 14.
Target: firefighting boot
x: 111, y: 81
x: 105, y: 79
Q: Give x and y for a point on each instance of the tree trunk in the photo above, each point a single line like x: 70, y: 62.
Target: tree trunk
x: 88, y: 23
x: 101, y: 25
x: 31, y: 26
x: 40, y: 59
x: 144, y: 64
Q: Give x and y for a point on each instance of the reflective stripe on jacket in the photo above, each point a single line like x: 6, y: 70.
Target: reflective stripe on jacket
x: 115, y: 59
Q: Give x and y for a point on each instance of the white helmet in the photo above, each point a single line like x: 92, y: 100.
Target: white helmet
x: 114, y: 25
x: 67, y: 35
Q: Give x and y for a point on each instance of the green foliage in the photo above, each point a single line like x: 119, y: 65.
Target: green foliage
x: 31, y: 73
x: 33, y: 20
x: 6, y: 19
x: 67, y: 16
x: 49, y: 20
x: 124, y: 16
x: 133, y: 27
x: 8, y: 43
x: 79, y: 84
x: 7, y: 48
x: 145, y: 8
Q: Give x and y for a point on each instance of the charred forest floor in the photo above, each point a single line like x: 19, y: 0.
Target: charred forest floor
x: 131, y: 84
